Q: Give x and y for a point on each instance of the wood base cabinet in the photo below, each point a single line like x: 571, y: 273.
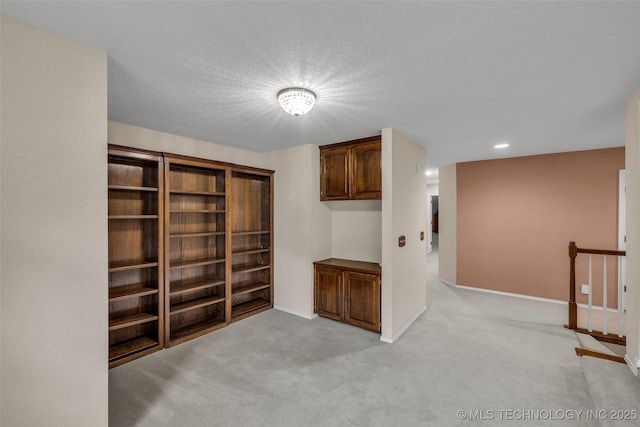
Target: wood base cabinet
x: 348, y: 291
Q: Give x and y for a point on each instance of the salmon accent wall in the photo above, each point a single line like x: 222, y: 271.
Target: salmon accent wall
x: 516, y: 216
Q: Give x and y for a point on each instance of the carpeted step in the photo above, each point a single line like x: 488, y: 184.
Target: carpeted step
x: 590, y: 346
x: 619, y: 350
x: 590, y: 343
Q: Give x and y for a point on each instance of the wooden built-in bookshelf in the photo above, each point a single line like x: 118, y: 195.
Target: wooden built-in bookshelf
x: 251, y: 226
x: 190, y: 248
x: 195, y: 241
x: 135, y: 247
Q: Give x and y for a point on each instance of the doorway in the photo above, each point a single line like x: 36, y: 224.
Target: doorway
x: 433, y: 222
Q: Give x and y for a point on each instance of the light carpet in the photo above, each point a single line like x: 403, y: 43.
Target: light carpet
x: 471, y: 359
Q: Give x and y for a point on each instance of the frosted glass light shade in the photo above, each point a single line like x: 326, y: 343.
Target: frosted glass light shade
x: 296, y: 100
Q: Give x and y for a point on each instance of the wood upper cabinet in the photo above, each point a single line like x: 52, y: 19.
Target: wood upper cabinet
x: 366, y: 171
x: 351, y: 170
x: 334, y: 173
x: 348, y: 291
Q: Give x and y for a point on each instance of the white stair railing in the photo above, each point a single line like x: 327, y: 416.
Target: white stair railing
x: 573, y: 311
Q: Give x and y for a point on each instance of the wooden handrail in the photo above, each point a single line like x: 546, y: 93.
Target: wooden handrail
x: 574, y: 250
x: 600, y: 251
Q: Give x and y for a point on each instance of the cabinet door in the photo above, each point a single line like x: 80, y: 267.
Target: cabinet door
x: 334, y: 173
x: 328, y: 293
x: 366, y: 171
x: 362, y: 300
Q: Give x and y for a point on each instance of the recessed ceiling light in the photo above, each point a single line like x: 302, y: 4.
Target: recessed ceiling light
x: 296, y: 100
x: 501, y: 145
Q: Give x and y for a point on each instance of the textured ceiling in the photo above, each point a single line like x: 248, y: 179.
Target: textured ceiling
x: 457, y: 77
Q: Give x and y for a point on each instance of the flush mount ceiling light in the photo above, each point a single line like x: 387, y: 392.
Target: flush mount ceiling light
x: 296, y: 100
x: 501, y: 145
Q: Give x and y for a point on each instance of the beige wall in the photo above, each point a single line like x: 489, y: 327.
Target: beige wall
x: 447, y: 224
x: 321, y: 215
x: 302, y: 227
x: 633, y: 231
x: 54, y: 230
x: 516, y: 217
x: 308, y: 230
x: 404, y: 212
x: 148, y: 139
x: 356, y: 230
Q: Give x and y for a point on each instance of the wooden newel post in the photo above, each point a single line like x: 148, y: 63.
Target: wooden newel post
x: 573, y: 307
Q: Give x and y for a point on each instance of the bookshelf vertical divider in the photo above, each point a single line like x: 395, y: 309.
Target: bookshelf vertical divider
x: 229, y: 245
x: 167, y: 244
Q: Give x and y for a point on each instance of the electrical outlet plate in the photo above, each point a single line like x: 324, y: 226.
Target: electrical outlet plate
x: 585, y: 290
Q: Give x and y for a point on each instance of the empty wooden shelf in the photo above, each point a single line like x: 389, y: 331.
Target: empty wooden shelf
x: 195, y: 242
x: 135, y: 188
x: 131, y: 291
x: 251, y: 222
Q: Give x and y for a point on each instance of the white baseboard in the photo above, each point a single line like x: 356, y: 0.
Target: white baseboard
x: 509, y: 294
x: 446, y: 282
x: 529, y: 297
x: 597, y: 307
x: 306, y: 316
x: 633, y: 366
x: 404, y: 328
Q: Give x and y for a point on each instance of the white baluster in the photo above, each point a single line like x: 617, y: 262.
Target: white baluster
x: 604, y: 296
x: 620, y: 298
x: 590, y: 302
